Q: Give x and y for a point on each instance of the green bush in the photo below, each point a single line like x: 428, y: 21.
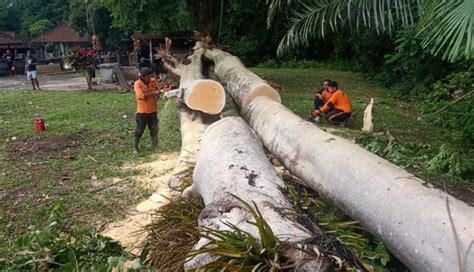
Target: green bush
x: 450, y: 105
x: 409, y: 65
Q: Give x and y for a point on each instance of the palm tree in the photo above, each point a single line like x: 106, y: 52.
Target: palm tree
x: 445, y: 26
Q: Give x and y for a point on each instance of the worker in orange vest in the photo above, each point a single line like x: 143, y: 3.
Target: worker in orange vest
x: 338, y: 108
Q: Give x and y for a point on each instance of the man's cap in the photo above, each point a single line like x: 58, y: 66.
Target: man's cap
x: 145, y: 71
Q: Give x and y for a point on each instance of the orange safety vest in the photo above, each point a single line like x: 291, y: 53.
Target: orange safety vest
x: 147, y: 105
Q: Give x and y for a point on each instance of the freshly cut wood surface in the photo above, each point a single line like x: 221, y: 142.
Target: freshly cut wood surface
x: 205, y: 95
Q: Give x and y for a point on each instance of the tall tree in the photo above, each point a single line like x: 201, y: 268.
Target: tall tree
x: 94, y: 18
x: 162, y: 16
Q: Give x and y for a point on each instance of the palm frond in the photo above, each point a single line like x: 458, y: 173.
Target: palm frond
x: 275, y: 7
x: 448, y: 29
x: 313, y: 20
x: 316, y: 18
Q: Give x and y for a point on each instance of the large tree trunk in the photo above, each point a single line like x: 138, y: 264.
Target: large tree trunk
x: 193, y: 123
x: 409, y: 216
x: 232, y: 161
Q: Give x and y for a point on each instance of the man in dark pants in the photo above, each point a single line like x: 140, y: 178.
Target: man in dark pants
x: 10, y: 59
x: 147, y: 94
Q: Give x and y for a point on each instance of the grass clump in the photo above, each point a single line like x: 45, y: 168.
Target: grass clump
x: 172, y: 234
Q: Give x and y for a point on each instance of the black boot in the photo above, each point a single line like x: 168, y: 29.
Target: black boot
x: 136, y: 150
x: 154, y: 142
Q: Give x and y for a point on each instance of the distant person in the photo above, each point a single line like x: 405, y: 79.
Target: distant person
x: 144, y: 63
x: 338, y: 108
x: 321, y: 97
x: 30, y: 69
x: 9, y: 59
x: 147, y: 93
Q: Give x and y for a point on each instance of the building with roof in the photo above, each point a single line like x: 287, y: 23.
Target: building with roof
x: 12, y: 41
x: 63, y: 35
x: 17, y: 45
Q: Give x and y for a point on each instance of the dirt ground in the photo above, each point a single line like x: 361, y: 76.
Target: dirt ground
x: 53, y: 82
x: 154, y: 177
x: 34, y: 155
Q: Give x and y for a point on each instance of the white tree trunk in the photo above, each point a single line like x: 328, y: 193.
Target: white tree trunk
x: 245, y: 84
x: 193, y: 123
x: 409, y: 216
x: 232, y: 161
x: 402, y: 210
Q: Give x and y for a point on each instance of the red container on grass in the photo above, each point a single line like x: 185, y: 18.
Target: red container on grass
x: 39, y: 124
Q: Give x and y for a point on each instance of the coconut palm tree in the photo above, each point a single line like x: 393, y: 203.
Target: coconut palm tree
x: 445, y: 26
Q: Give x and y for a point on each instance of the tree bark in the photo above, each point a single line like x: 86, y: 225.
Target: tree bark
x: 232, y: 161
x: 402, y: 210
x: 243, y: 84
x: 193, y: 123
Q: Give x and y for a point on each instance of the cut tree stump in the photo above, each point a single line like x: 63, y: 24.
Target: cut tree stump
x: 232, y: 161
x: 400, y: 209
x: 368, y: 124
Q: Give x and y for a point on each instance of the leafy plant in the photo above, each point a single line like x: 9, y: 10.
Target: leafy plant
x: 345, y: 234
x: 238, y: 250
x: 57, y: 247
x: 446, y: 26
x: 409, y: 65
x: 40, y: 26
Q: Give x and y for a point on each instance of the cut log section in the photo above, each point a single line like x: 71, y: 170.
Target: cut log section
x: 245, y: 84
x: 204, y: 95
x: 368, y: 124
x: 400, y: 209
x: 232, y: 161
x: 410, y: 217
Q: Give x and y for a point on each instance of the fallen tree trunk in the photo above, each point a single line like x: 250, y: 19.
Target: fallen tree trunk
x: 411, y: 218
x: 232, y: 161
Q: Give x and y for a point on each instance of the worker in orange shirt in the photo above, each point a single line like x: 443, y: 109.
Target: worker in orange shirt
x: 147, y: 93
x: 338, y: 108
x: 320, y: 98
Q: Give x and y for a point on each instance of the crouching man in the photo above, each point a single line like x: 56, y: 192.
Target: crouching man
x: 338, y: 108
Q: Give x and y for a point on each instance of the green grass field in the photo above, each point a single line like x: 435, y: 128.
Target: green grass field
x: 88, y: 138
x: 390, y: 111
